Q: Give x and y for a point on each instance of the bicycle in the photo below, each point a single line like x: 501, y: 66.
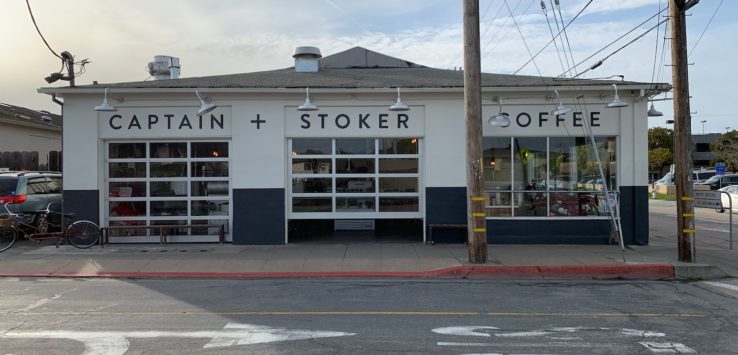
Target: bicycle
x: 82, y: 233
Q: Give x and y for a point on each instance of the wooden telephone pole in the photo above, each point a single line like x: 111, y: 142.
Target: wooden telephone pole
x: 682, y: 129
x: 476, y: 223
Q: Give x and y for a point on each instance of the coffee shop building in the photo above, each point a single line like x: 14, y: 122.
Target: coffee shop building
x: 353, y: 144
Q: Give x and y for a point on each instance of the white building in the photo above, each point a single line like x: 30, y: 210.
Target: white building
x: 275, y: 174
x: 29, y: 139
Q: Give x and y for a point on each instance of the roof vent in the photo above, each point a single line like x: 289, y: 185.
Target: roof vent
x: 306, y: 59
x: 164, y: 67
x: 46, y: 118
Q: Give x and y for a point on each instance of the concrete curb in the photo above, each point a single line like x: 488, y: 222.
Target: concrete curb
x: 615, y: 271
x: 692, y: 272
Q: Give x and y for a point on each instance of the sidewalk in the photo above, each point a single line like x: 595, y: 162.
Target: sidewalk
x: 361, y: 260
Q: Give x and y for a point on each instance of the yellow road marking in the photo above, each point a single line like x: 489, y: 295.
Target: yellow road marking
x: 369, y: 313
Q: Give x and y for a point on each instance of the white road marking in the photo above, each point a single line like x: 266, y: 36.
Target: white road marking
x: 719, y: 284
x: 464, y: 330
x: 116, y: 342
x: 40, y: 303
x: 671, y: 348
x: 453, y: 343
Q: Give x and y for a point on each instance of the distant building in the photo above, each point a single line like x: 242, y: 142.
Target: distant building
x: 29, y: 139
x: 701, y: 153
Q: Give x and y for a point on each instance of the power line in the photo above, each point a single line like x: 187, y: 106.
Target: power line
x: 557, y: 35
x: 561, y: 17
x: 703, y: 31
x: 484, y: 50
x: 613, y: 42
x: 508, y: 30
x: 550, y: 30
x: 656, y: 50
x: 39, y: 31
x: 522, y: 37
x: 616, y: 51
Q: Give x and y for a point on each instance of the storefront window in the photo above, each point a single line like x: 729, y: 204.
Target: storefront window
x: 311, y: 146
x: 549, y: 177
x: 354, y: 146
x: 398, y: 146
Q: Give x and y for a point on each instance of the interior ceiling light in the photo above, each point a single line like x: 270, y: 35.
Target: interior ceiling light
x: 399, y: 106
x: 616, y: 102
x: 652, y: 112
x: 205, y: 105
x: 307, y: 106
x: 501, y: 119
x: 560, y: 110
x: 105, y: 106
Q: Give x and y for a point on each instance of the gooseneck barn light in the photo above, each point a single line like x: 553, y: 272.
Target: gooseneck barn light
x: 501, y: 119
x: 653, y: 112
x: 560, y: 110
x: 105, y: 106
x: 398, y: 105
x: 205, y: 104
x: 307, y: 106
x: 616, y: 102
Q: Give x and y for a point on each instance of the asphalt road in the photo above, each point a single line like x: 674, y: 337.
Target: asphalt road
x: 357, y: 316
x: 712, y: 227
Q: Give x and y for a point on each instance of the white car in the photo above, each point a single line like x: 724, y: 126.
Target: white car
x: 732, y: 191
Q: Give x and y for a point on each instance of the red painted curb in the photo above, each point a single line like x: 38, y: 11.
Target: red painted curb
x: 614, y: 271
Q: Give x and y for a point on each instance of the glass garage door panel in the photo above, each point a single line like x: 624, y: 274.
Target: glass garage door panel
x: 354, y: 178
x: 168, y: 183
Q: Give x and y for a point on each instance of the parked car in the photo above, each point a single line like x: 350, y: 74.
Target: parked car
x: 30, y: 191
x: 698, y: 176
x: 719, y: 181
x: 732, y: 194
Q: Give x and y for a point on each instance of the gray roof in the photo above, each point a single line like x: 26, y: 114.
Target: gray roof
x: 22, y: 115
x: 359, y: 68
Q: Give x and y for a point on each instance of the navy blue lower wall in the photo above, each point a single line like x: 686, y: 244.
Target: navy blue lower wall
x: 446, y: 205
x: 634, y: 214
x: 258, y: 216
x: 84, y: 203
x: 548, y: 231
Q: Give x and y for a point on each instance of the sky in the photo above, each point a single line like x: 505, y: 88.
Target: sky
x: 217, y: 37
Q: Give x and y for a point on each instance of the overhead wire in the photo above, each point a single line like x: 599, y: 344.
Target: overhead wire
x: 28, y: 4
x: 459, y: 55
x: 550, y: 30
x: 509, y: 29
x: 557, y: 35
x: 522, y: 37
x: 613, y: 42
x: 656, y: 50
x: 706, y: 27
x: 484, y: 50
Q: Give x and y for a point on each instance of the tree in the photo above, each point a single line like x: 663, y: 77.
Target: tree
x: 660, y: 137
x: 660, y: 149
x: 658, y: 158
x: 726, y: 150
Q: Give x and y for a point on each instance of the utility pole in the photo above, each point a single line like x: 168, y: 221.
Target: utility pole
x: 682, y: 129
x: 476, y: 223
